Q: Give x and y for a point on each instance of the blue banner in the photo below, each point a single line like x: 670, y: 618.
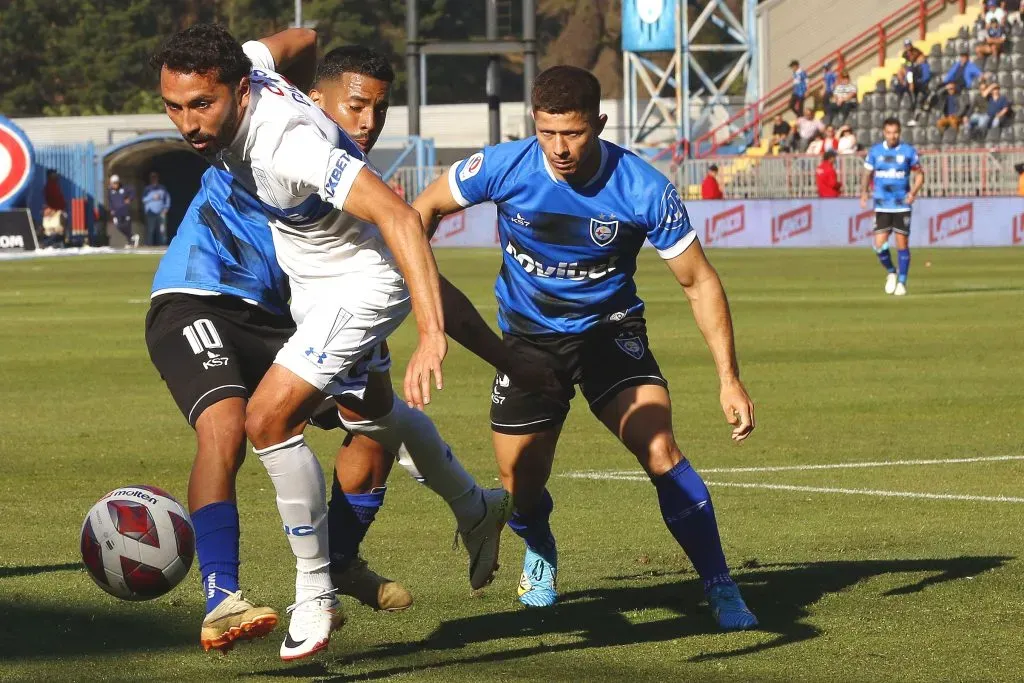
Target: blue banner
x: 649, y: 25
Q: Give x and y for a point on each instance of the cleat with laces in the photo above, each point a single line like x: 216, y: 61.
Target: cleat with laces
x: 313, y: 620
x: 370, y: 588
x: 890, y: 283
x: 482, y: 540
x: 728, y: 607
x: 235, y: 619
x: 538, y: 583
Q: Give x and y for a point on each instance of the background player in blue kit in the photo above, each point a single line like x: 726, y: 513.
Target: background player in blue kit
x: 219, y: 315
x: 573, y: 212
x: 892, y: 163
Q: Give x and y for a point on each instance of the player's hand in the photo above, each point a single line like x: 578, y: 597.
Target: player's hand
x: 863, y: 201
x: 910, y: 198
x: 426, y: 361
x: 738, y: 409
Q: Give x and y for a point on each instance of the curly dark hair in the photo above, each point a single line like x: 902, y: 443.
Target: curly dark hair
x: 354, y: 59
x: 565, y: 89
x: 204, y: 49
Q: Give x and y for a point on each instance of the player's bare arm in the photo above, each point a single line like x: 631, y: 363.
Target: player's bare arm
x: 865, y: 188
x: 373, y: 201
x: 916, y: 187
x: 294, y: 52
x: 710, y: 308
x: 435, y: 203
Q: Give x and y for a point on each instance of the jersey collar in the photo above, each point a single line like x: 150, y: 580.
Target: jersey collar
x: 593, y: 179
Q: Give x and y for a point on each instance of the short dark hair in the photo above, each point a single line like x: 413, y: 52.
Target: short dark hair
x: 354, y: 59
x: 564, y: 89
x: 794, y: 63
x: 204, y: 49
x: 892, y: 121
x: 713, y: 167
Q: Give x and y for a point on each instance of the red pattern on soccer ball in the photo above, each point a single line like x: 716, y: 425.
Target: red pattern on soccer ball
x: 133, y: 520
x: 184, y: 536
x: 144, y: 581
x: 92, y: 554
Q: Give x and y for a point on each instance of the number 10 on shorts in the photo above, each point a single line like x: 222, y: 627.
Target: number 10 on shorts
x: 202, y: 335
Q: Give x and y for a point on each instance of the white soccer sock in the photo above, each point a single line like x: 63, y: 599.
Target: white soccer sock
x: 410, y: 433
x: 301, y: 500
x: 310, y: 584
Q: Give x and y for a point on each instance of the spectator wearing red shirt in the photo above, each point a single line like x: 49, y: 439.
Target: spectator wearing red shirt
x: 710, y: 189
x: 828, y: 181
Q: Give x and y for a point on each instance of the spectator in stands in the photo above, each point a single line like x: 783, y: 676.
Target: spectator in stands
x: 119, y: 204
x: 845, y: 96
x: 1019, y: 168
x: 781, y: 131
x: 710, y: 189
x: 964, y: 73
x: 828, y: 180
x: 988, y: 103
x: 994, y: 11
x: 156, y: 202
x: 816, y: 147
x: 999, y: 110
x: 953, y: 106
x: 804, y: 130
x: 995, y: 38
x: 847, y: 143
x: 919, y: 78
x: 54, y: 211
x: 1014, y: 12
x: 796, y: 99
x: 830, y: 77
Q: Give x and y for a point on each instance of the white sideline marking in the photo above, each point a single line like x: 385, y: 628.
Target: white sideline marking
x: 871, y: 492
x: 631, y: 474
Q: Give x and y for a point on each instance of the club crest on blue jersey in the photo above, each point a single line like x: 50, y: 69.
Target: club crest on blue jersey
x: 631, y: 346
x: 603, y: 231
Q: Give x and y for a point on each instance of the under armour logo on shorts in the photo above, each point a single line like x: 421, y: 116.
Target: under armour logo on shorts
x: 311, y: 353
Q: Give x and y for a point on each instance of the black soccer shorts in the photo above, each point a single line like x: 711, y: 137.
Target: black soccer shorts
x: 886, y: 221
x: 603, y: 361
x: 208, y: 348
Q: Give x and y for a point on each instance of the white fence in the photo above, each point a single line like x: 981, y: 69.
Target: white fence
x: 990, y: 222
x: 968, y: 173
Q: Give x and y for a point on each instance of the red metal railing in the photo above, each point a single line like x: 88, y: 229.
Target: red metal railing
x: 873, y: 42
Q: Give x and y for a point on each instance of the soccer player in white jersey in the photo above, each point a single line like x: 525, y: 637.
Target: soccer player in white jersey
x: 345, y: 240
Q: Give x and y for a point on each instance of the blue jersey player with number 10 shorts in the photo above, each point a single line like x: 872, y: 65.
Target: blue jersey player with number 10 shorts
x: 573, y: 213
x: 891, y: 164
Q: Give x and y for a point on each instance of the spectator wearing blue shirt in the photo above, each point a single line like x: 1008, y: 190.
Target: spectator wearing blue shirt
x: 796, y: 100
x: 156, y: 202
x: 964, y: 73
x: 995, y: 39
x: 119, y: 203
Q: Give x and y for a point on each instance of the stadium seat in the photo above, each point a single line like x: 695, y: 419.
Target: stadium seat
x: 1008, y: 136
x: 881, y: 86
x: 1004, y: 79
x: 892, y: 102
x: 950, y: 49
x: 963, y: 44
x: 949, y: 137
x: 993, y: 135
x: 1018, y: 97
x: 963, y: 136
x: 910, y: 135
x: 1018, y: 47
x: 862, y: 119
x: 877, y: 119
x: 863, y: 136
x: 947, y: 64
x: 1018, y: 132
x: 964, y: 33
x: 934, y: 137
x: 935, y: 52
x: 1016, y: 60
x: 1017, y: 79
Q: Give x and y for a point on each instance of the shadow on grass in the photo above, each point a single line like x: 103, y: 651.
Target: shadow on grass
x: 64, y: 628
x: 780, y: 594
x: 13, y: 572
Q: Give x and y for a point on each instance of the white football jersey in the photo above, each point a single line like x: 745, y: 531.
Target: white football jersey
x: 301, y: 166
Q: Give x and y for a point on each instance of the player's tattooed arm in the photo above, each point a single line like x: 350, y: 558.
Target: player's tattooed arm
x: 294, y: 52
x: 710, y: 308
x: 435, y: 203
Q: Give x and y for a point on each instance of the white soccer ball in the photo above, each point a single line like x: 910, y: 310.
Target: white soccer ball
x: 137, y: 542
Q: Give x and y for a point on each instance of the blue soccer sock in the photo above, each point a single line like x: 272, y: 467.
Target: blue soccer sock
x: 885, y: 257
x: 904, y: 258
x: 217, y: 535
x: 688, y: 514
x: 349, y: 516
x: 535, y: 528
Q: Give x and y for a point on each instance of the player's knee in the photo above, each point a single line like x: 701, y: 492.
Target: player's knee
x: 264, y: 426
x: 222, y: 439
x: 662, y: 455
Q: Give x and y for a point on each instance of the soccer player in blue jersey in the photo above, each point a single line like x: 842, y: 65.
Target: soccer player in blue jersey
x: 219, y: 315
x: 573, y: 212
x: 896, y: 170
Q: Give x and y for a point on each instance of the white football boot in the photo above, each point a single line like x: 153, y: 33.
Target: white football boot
x: 313, y: 619
x: 901, y: 289
x: 890, y: 283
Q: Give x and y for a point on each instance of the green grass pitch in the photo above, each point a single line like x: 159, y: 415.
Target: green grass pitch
x: 855, y: 573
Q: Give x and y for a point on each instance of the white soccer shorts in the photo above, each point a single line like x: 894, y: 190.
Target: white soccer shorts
x: 340, y: 330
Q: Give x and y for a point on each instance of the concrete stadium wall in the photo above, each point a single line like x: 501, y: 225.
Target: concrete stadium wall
x: 807, y: 29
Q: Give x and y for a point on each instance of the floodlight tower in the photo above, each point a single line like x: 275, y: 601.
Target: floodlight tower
x: 660, y: 101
